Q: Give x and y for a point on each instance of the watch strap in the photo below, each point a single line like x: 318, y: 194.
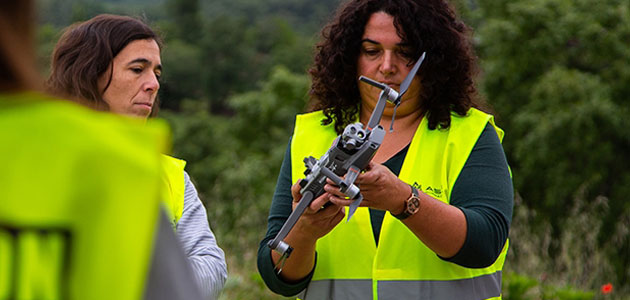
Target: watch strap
x: 406, y: 213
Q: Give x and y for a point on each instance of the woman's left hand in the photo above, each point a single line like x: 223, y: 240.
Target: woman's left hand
x: 381, y: 189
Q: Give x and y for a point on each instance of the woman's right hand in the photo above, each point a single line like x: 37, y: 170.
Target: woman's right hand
x: 314, y: 223
x: 317, y: 220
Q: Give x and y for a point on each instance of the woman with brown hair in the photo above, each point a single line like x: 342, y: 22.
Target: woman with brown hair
x: 437, y: 196
x: 113, y: 63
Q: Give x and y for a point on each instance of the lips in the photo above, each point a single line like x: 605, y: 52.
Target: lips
x: 391, y: 84
x: 147, y: 104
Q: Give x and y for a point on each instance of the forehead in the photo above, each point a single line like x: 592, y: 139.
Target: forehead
x: 146, y: 49
x: 380, y: 27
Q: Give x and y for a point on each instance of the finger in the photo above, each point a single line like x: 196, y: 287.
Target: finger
x: 329, y: 211
x: 317, y: 204
x: 295, y: 191
x: 330, y: 181
x: 333, y: 190
x: 340, y: 201
x: 339, y: 216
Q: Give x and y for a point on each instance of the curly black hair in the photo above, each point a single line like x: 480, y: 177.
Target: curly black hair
x: 425, y: 25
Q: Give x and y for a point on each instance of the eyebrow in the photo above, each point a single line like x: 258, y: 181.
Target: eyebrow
x: 378, y: 43
x: 144, y: 61
x: 369, y: 41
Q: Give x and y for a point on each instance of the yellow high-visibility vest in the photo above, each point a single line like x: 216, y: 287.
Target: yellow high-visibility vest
x: 174, y: 185
x: 351, y: 266
x: 79, y: 200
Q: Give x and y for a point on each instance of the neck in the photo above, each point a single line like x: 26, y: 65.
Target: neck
x: 405, y: 126
x: 402, y: 121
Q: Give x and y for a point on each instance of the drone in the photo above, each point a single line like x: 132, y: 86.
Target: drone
x: 349, y: 155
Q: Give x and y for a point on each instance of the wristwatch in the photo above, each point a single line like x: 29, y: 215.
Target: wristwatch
x: 412, y: 205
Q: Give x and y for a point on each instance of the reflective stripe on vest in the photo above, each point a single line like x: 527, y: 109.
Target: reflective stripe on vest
x: 482, y: 287
x: 79, y: 194
x: 174, y: 184
x: 338, y: 289
x: 432, y: 163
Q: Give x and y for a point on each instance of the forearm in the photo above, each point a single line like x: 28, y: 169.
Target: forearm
x: 440, y: 226
x: 210, y: 274
x: 480, y: 207
x: 204, y: 255
x: 301, y: 261
x: 278, y: 213
x: 267, y: 270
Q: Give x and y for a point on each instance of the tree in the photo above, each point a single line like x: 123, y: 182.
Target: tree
x: 186, y: 19
x: 556, y: 72
x: 236, y: 161
x: 182, y: 75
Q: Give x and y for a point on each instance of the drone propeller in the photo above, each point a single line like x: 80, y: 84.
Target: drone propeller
x: 404, y: 86
x: 390, y: 95
x: 407, y: 82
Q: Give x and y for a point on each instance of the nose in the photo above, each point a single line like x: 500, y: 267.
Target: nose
x: 152, y: 84
x: 388, y: 66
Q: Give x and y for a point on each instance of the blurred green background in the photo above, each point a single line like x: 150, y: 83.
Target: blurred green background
x: 556, y: 72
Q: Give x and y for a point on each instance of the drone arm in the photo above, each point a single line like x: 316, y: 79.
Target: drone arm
x: 351, y: 175
x: 375, y: 118
x: 346, y: 186
x: 278, y: 243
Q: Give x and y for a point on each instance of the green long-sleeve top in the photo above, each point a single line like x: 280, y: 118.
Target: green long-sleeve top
x: 483, y: 191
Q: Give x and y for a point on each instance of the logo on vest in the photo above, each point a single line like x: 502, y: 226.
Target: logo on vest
x: 431, y: 190
x: 34, y: 262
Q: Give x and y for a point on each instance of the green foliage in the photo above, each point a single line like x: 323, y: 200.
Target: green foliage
x: 230, y: 50
x: 186, y: 18
x: 227, y: 59
x: 566, y: 293
x: 181, y: 74
x: 47, y: 36
x: 305, y: 16
x: 518, y: 287
x: 234, y: 162
x: 583, y: 262
x: 556, y: 72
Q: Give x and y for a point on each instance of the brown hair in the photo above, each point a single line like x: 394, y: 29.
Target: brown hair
x: 425, y: 25
x: 86, y: 50
x: 17, y: 57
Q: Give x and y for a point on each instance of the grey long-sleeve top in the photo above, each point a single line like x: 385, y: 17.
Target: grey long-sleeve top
x: 205, y: 256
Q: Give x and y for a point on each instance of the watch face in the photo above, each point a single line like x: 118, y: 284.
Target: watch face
x: 413, y: 205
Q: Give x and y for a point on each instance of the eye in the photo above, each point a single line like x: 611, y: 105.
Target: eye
x: 370, y: 51
x: 405, y: 53
x: 158, y: 75
x: 407, y: 56
x: 136, y: 70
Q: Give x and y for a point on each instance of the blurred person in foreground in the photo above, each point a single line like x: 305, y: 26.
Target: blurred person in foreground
x: 114, y: 63
x: 79, y: 192
x: 438, y: 195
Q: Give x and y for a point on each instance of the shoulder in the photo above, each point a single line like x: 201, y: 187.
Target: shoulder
x: 310, y: 119
x: 475, y: 121
x: 74, y: 127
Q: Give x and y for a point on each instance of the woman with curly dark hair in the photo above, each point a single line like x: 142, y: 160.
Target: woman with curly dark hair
x: 437, y: 196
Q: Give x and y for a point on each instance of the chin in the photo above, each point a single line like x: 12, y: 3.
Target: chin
x: 138, y: 115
